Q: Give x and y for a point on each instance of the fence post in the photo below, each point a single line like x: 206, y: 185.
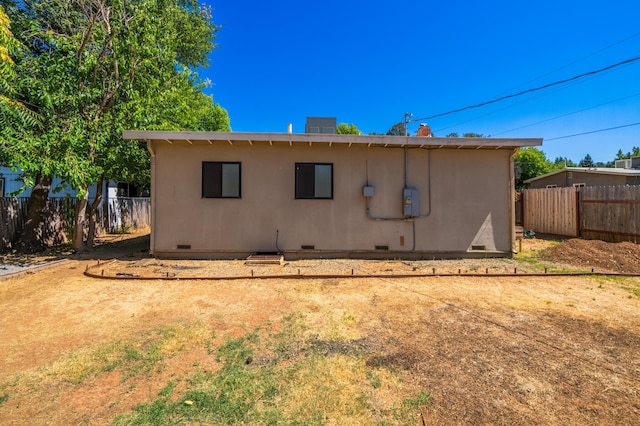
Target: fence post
x: 578, y: 226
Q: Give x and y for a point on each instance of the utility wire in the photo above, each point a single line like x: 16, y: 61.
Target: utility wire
x: 625, y: 62
x: 564, y: 115
x: 593, y: 131
x: 539, y: 78
x: 522, y: 101
x: 578, y: 60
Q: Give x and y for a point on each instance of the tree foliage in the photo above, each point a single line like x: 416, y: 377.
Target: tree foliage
x: 529, y: 163
x: 347, y: 129
x: 635, y: 152
x: 562, y: 162
x: 398, y: 129
x: 465, y: 135
x: 14, y: 116
x: 96, y: 67
x: 587, y: 161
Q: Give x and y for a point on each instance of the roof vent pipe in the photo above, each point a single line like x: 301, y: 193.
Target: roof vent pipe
x: 290, y: 128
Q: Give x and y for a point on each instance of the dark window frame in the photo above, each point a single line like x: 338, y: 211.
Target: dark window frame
x: 212, y: 179
x: 2, y: 182
x: 305, y: 181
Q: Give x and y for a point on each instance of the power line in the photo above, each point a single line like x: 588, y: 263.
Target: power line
x: 593, y: 131
x: 579, y: 60
x: 625, y: 62
x: 564, y: 115
x: 522, y: 101
x: 539, y: 78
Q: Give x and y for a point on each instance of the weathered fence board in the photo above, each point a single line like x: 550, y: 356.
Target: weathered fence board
x: 550, y: 211
x: 118, y: 215
x: 609, y: 213
x: 12, y: 216
x: 125, y: 213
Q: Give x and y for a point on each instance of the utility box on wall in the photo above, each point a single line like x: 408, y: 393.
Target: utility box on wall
x: 411, y: 202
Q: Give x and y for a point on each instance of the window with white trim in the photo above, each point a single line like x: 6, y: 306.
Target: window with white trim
x: 220, y: 179
x: 578, y: 185
x: 314, y: 181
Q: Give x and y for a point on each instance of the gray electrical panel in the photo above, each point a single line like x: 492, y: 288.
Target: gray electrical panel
x: 411, y: 202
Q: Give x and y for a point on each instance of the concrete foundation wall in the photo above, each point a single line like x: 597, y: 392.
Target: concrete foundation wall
x: 465, y: 202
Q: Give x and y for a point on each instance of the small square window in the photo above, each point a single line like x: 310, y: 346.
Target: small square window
x: 579, y: 185
x: 314, y: 181
x: 220, y: 180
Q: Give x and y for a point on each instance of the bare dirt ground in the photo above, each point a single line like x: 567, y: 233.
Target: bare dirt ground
x: 489, y: 350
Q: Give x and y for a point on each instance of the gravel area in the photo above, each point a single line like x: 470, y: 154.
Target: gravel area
x: 156, y: 268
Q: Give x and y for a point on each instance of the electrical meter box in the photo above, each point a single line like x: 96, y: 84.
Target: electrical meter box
x: 411, y: 202
x: 368, y: 191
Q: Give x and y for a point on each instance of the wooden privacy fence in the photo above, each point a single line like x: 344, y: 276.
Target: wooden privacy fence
x: 118, y: 214
x: 609, y: 213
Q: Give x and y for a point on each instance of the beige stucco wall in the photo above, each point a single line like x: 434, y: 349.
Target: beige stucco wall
x: 469, y: 204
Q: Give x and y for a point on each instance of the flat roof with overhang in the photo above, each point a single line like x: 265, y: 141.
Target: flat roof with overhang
x: 251, y: 138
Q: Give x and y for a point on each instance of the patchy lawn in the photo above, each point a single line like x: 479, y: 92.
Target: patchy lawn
x: 434, y: 350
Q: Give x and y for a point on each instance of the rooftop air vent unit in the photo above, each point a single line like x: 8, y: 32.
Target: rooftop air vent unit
x: 623, y: 164
x: 635, y: 162
x: 325, y: 125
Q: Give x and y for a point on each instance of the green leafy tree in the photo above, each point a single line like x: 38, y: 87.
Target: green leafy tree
x: 562, y: 162
x: 465, y: 135
x: 398, y: 129
x: 529, y: 163
x: 96, y: 67
x: 587, y: 161
x: 347, y: 129
x: 635, y: 152
x: 14, y: 116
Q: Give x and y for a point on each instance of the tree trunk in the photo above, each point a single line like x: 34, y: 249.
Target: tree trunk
x: 93, y: 214
x: 31, y: 238
x: 77, y: 243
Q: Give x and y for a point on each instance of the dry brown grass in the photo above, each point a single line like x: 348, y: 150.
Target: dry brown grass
x: 511, y: 350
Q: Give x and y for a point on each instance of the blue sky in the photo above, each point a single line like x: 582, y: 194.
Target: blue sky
x: 368, y: 63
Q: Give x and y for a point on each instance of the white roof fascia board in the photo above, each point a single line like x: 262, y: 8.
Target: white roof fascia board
x: 599, y: 170
x: 308, y: 138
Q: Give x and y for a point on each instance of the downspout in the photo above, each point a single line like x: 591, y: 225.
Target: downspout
x: 406, y: 165
x: 429, y: 182
x: 153, y: 197
x: 512, y: 200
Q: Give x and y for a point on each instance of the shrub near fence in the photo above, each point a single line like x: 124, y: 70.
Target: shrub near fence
x: 608, y: 213
x: 117, y: 215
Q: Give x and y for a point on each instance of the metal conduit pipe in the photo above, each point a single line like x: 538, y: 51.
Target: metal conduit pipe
x: 152, y: 238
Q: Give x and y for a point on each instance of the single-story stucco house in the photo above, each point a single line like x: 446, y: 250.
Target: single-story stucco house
x: 626, y: 172
x: 230, y: 195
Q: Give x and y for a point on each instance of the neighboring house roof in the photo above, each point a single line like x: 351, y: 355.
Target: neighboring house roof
x: 592, y: 170
x: 315, y: 138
